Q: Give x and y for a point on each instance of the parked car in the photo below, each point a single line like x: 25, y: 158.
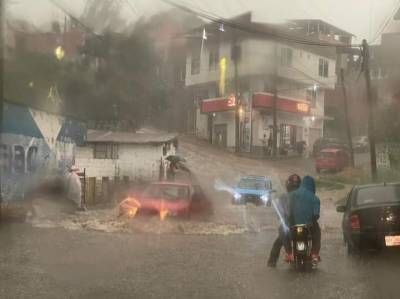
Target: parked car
x: 171, y: 198
x: 371, y: 217
x: 360, y: 144
x: 253, y: 189
x: 333, y: 159
x: 323, y: 143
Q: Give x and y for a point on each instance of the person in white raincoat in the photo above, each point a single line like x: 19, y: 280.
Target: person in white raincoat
x: 74, y: 187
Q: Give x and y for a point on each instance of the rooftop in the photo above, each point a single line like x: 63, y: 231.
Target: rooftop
x: 98, y: 136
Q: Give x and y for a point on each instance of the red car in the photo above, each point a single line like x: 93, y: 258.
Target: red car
x: 163, y: 198
x: 332, y: 159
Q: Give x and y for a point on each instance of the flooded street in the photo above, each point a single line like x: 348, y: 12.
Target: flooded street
x: 199, y: 149
x: 95, y: 254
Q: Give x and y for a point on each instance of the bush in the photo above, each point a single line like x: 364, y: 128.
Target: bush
x: 358, y: 176
x: 327, y: 185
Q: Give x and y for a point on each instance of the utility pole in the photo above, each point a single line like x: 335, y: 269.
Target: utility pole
x: 371, y: 106
x: 235, y: 56
x: 2, y: 45
x: 275, y: 103
x: 346, y: 115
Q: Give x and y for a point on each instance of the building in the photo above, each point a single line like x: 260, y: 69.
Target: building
x: 35, y: 145
x: 300, y: 73
x: 136, y: 155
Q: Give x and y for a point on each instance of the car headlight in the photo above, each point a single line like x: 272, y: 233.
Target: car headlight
x: 265, y: 198
x: 300, y: 246
x: 237, y: 196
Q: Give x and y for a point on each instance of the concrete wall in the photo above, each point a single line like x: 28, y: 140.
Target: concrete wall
x: 258, y: 57
x: 135, y: 161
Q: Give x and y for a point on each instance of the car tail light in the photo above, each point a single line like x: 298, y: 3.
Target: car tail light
x: 354, y: 222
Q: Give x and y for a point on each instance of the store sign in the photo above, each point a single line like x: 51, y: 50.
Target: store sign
x: 303, y: 107
x: 218, y: 104
x: 231, y: 101
x: 265, y: 100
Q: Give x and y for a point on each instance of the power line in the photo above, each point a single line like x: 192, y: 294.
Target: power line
x: 273, y: 35
x: 86, y: 27
x: 396, y: 7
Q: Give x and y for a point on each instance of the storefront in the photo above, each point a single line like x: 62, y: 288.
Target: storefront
x: 295, y: 122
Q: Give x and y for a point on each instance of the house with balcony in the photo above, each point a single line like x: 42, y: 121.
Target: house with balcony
x: 299, y: 72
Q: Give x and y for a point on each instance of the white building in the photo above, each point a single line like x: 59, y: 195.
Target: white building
x: 136, y: 155
x: 302, y: 74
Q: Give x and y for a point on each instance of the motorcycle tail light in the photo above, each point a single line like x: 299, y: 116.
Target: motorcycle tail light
x: 354, y: 222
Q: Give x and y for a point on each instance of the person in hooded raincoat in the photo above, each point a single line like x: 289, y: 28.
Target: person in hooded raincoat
x: 304, y: 208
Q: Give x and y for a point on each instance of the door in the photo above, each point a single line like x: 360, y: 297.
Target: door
x: 220, y: 135
x: 314, y: 135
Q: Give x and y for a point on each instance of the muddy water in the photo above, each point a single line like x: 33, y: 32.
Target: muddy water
x: 50, y: 215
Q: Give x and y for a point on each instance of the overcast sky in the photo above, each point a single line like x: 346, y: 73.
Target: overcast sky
x: 363, y: 18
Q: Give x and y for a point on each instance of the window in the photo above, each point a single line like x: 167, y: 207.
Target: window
x: 213, y: 59
x: 180, y: 73
x: 4, y: 158
x: 286, y: 57
x: 105, y: 151
x: 236, y: 53
x: 378, y: 195
x: 31, y: 159
x: 195, y: 67
x: 323, y: 68
x: 19, y: 159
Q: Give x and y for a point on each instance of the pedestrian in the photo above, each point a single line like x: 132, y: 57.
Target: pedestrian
x: 293, y: 183
x: 171, y: 172
x: 265, y: 145
x: 74, y: 188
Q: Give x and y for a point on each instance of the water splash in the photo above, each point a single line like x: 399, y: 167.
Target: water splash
x: 222, y: 186
x: 280, y: 217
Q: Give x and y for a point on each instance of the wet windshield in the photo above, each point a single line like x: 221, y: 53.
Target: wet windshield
x: 252, y: 184
x: 378, y: 195
x: 168, y: 192
x: 149, y: 148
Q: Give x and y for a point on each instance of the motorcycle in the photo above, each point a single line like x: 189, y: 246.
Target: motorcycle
x: 301, y: 247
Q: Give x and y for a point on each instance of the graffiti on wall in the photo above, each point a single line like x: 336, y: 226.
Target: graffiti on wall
x: 35, y: 145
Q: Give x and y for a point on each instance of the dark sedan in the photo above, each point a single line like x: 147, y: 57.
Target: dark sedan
x: 371, y: 217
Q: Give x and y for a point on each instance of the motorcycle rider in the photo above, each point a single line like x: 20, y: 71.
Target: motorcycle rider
x: 304, y: 208
x: 293, y: 183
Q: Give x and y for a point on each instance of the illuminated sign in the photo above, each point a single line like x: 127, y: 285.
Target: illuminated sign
x: 302, y: 107
x: 231, y: 101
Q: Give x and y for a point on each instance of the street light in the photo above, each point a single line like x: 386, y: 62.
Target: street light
x: 59, y: 52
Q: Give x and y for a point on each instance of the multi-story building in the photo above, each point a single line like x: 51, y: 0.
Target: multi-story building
x: 301, y: 73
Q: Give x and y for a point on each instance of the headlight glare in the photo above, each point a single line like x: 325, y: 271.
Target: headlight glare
x: 237, y: 196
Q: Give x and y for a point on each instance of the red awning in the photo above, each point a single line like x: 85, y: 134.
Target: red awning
x: 218, y: 105
x: 265, y: 100
x: 260, y: 100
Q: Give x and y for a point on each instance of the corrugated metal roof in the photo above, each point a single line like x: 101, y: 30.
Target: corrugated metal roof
x: 97, y: 136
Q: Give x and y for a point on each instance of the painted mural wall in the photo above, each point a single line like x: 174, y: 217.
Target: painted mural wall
x: 35, y: 145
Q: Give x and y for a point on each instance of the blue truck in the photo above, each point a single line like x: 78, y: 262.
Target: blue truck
x: 253, y: 189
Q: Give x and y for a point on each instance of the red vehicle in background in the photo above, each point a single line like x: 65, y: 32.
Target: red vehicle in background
x: 164, y: 199
x: 333, y: 159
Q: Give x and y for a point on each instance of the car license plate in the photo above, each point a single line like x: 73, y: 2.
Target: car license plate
x: 392, y: 240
